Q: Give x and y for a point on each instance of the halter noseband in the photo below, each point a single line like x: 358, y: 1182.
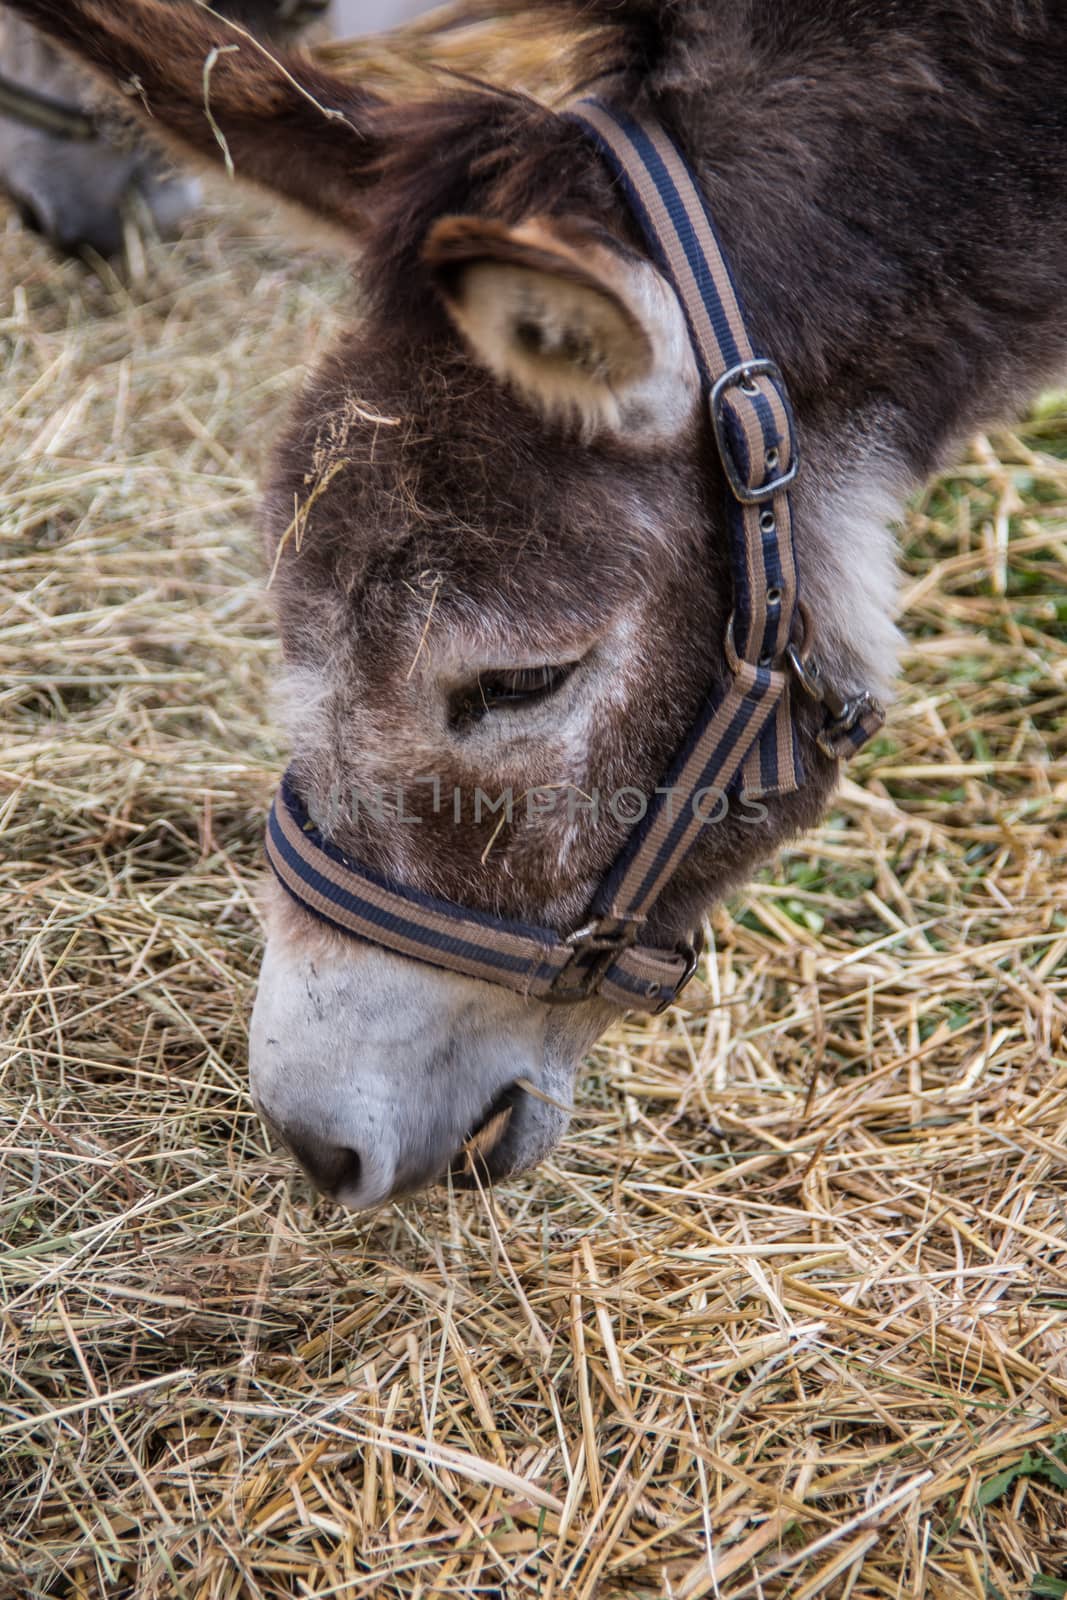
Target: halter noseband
x: 744, y: 734
x: 45, y: 114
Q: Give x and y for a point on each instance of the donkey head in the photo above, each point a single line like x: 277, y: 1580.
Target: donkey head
x: 501, y: 589
x: 70, y: 176
x: 496, y: 537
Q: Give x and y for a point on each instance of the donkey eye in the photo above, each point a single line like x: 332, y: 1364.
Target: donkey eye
x: 504, y: 690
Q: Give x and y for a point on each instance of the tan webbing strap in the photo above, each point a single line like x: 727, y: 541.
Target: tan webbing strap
x: 529, y: 960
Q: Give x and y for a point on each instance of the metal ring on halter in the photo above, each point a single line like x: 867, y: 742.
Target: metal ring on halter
x: 845, y: 713
x: 797, y: 655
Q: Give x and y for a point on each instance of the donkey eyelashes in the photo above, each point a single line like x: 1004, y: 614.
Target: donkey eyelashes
x: 505, y: 689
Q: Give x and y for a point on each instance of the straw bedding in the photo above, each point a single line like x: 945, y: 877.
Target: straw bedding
x: 785, y: 1316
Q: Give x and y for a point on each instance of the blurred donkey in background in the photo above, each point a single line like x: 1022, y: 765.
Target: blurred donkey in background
x: 75, y: 172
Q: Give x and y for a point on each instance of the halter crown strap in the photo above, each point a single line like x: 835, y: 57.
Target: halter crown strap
x: 744, y: 735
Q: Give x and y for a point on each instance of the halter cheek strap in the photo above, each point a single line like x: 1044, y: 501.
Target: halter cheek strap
x: 744, y: 738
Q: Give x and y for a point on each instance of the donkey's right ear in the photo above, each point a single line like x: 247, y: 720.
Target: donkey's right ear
x: 214, y: 91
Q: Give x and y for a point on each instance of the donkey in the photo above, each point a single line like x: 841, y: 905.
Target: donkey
x: 69, y: 173
x: 498, y: 526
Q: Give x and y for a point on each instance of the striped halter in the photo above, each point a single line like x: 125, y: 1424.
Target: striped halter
x: 744, y: 736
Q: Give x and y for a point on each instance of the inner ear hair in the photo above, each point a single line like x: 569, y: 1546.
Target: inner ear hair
x: 541, y: 306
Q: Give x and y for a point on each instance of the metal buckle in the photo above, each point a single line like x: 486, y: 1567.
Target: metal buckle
x: 593, y: 944
x: 844, y: 714
x: 604, y: 947
x: 735, y: 378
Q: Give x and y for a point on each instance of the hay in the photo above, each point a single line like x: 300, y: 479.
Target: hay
x: 792, y: 1294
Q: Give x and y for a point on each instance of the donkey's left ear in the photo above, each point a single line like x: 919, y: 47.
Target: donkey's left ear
x: 581, y: 328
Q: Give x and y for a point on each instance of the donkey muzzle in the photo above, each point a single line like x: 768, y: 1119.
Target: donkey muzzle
x: 383, y: 1075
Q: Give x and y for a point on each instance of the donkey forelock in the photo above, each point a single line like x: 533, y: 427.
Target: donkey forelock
x: 495, y: 525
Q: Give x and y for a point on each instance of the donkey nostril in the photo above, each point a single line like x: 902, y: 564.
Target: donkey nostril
x: 330, y: 1167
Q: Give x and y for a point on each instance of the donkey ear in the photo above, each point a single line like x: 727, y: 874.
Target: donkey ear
x: 579, y: 327
x: 215, y: 92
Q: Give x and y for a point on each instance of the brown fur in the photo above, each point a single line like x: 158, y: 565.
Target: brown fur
x: 889, y: 178
x: 868, y: 166
x: 279, y: 130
